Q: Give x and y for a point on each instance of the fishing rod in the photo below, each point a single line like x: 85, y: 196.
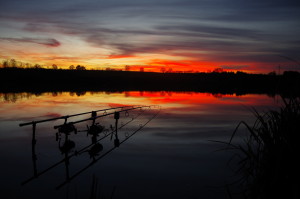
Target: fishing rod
x: 69, y: 116
x: 37, y: 174
x: 94, y: 113
x: 95, y: 117
x: 106, y: 153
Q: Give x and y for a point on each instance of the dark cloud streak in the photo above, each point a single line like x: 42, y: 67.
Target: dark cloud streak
x: 45, y: 42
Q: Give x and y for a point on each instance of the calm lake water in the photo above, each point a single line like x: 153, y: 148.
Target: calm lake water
x: 172, y: 156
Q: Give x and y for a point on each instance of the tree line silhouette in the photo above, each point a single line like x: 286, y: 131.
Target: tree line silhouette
x: 42, y: 80
x: 13, y: 63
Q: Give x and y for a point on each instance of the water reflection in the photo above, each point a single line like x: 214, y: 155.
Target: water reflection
x: 14, y: 97
x: 170, y: 158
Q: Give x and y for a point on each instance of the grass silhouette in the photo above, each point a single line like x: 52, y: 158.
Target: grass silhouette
x: 269, y: 158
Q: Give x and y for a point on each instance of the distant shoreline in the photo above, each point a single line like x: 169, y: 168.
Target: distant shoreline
x: 45, y: 80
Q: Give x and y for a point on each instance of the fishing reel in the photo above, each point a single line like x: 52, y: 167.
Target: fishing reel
x: 67, y: 146
x: 67, y: 128
x: 94, y: 129
x: 95, y: 150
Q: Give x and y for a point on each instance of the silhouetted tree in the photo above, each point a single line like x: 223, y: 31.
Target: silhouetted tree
x: 78, y: 67
x: 72, y: 67
x: 54, y: 66
x: 272, y: 73
x: 141, y: 69
x: 162, y: 69
x: 170, y: 70
x: 13, y: 63
x: 127, y: 68
x: 37, y: 66
x: 5, y: 64
x: 241, y: 73
x: 218, y: 70
x: 20, y: 64
x: 27, y: 65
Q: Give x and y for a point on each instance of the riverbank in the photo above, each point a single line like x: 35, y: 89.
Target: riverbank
x: 45, y: 80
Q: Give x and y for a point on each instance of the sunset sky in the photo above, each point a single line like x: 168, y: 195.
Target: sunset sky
x: 198, y: 35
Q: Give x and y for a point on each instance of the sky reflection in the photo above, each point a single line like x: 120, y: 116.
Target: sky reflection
x: 171, y: 157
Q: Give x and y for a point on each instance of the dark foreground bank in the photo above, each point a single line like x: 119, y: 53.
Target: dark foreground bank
x: 42, y: 80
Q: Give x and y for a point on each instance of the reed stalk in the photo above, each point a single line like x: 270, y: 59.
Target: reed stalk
x: 269, y: 158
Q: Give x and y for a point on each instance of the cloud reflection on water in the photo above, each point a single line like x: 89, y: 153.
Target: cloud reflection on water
x: 171, y: 157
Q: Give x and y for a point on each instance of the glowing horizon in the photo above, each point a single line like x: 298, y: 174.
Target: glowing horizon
x: 183, y: 35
